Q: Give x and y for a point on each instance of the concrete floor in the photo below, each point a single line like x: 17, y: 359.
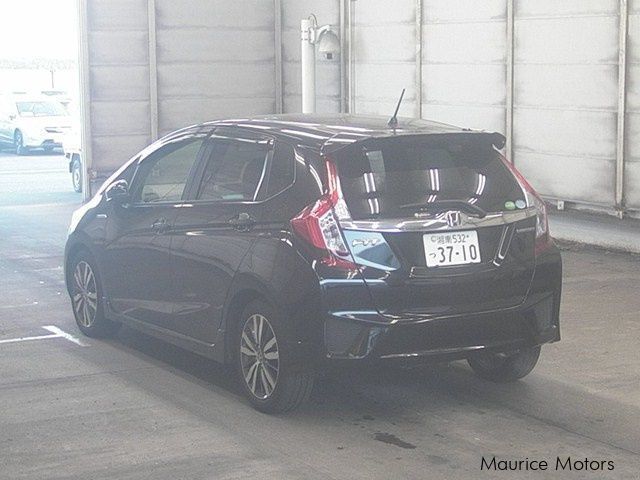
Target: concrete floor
x: 134, y: 408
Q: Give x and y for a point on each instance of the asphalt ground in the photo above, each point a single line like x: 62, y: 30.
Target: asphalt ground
x: 137, y: 408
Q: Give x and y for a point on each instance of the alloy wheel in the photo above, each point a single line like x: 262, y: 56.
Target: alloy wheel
x: 76, y: 177
x: 85, y: 294
x: 259, y: 356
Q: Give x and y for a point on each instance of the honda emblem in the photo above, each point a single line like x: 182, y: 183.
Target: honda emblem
x: 453, y: 218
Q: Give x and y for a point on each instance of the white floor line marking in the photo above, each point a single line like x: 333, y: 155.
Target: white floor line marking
x: 26, y: 339
x: 65, y: 335
x: 18, y: 306
x: 55, y: 333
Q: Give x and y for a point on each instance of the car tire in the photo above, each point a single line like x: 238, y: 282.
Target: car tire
x: 263, y: 362
x: 502, y: 368
x: 76, y: 174
x: 85, y: 289
x: 18, y: 143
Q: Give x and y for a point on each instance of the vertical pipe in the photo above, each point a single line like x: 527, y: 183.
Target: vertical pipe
x: 277, y: 26
x: 510, y: 80
x: 308, y: 64
x: 153, y: 70
x: 622, y: 98
x: 344, y: 57
x: 85, y: 98
x: 352, y: 63
x: 418, y: 58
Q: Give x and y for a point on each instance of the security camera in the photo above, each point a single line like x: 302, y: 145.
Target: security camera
x: 328, y: 45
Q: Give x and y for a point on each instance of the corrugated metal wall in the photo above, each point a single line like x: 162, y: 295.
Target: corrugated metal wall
x: 464, y: 62
x: 566, y: 97
x: 158, y: 65
x: 118, y: 75
x: 544, y: 72
x: 384, y: 56
x: 215, y: 59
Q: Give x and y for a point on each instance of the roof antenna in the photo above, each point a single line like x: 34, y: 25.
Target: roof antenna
x: 393, y: 121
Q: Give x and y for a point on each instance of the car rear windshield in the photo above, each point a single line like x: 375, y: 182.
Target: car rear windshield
x: 395, y: 177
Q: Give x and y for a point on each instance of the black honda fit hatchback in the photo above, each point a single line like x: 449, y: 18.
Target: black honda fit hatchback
x: 277, y: 244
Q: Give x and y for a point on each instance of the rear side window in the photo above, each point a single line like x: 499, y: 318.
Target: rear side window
x: 281, y: 173
x: 235, y: 168
x: 395, y: 177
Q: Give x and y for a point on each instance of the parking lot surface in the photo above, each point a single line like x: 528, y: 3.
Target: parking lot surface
x: 134, y: 407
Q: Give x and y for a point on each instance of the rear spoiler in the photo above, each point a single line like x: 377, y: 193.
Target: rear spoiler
x: 344, y: 140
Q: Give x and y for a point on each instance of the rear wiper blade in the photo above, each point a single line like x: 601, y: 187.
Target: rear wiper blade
x: 445, y: 205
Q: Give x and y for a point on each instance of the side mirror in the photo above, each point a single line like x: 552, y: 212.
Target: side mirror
x: 12, y: 116
x: 117, y: 191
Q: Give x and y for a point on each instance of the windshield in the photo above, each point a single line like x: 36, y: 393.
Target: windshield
x: 395, y: 177
x: 41, y: 109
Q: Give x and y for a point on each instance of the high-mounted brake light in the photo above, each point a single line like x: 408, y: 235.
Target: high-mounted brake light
x: 543, y: 239
x: 318, y: 223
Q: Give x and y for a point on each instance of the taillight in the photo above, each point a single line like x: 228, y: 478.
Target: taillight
x: 335, y: 192
x: 318, y: 224
x: 543, y: 239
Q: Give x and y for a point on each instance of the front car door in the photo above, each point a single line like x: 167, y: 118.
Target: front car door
x: 7, y: 116
x: 216, y: 228
x: 137, y: 254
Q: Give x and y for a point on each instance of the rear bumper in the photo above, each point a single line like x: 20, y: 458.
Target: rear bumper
x: 363, y: 336
x: 367, y: 334
x: 37, y: 139
x: 42, y: 143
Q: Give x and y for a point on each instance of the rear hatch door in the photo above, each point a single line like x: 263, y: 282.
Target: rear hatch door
x: 439, y: 224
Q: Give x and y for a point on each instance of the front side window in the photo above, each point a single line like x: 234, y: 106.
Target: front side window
x: 162, y: 177
x: 235, y: 168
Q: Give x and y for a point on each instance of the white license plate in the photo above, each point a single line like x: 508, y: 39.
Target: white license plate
x: 451, y: 248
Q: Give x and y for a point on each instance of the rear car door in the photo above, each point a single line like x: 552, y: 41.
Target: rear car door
x: 440, y: 224
x: 137, y: 252
x: 216, y: 228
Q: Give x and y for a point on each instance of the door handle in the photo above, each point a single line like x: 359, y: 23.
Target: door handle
x: 160, y: 225
x: 243, y: 222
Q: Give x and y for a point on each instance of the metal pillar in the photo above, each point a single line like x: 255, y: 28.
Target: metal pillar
x: 308, y: 63
x: 418, y: 81
x: 85, y: 99
x: 622, y: 104
x: 344, y: 57
x: 277, y: 5
x: 351, y: 95
x: 153, y: 70
x: 510, y: 80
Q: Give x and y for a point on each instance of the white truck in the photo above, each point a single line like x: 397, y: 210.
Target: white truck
x: 72, y: 152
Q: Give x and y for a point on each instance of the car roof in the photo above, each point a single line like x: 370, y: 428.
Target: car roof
x: 26, y: 97
x: 333, y: 132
